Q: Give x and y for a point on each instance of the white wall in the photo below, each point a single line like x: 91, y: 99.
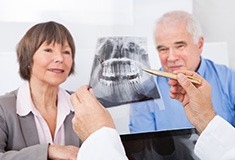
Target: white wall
x: 218, y: 22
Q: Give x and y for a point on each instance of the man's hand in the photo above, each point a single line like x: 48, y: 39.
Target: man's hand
x: 196, y: 99
x: 90, y: 115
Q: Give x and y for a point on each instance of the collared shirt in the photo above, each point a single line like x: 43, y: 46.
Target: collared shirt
x: 222, y: 81
x: 24, y: 106
x: 216, y: 141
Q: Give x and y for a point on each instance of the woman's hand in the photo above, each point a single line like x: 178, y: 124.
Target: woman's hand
x: 57, y: 152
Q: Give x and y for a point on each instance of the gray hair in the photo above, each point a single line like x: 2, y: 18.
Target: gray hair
x: 175, y: 17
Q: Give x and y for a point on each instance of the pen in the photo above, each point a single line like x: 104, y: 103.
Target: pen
x: 170, y: 75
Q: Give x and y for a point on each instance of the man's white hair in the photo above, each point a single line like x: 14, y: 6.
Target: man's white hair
x: 177, y: 17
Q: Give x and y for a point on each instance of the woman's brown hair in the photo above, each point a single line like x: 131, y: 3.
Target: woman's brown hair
x: 49, y: 32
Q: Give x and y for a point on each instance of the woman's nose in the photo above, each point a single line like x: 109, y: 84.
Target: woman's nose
x: 58, y: 58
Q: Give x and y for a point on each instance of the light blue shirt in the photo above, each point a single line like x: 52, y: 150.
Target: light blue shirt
x: 146, y: 116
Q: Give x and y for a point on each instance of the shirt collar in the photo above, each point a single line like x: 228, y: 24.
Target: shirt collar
x: 24, y: 103
x: 64, y: 102
x: 202, y: 67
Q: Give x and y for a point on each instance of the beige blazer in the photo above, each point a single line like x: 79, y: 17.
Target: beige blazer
x: 18, y: 135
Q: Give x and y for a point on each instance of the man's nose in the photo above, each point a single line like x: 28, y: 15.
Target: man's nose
x: 172, y: 55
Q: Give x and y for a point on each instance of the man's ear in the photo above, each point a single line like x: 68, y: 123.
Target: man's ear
x: 201, y: 43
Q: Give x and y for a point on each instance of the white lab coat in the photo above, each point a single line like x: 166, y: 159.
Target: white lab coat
x: 217, y: 141
x: 104, y: 144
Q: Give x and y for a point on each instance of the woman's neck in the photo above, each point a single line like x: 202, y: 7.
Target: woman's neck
x: 44, y: 96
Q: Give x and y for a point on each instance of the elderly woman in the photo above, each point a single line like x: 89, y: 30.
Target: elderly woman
x: 35, y: 119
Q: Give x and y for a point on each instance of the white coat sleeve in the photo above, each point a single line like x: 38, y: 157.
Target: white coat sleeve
x: 104, y: 144
x: 217, y: 141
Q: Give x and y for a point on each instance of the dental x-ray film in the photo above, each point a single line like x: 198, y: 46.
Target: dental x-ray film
x: 117, y: 77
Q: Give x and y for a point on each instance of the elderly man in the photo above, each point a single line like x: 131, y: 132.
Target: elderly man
x: 179, y: 42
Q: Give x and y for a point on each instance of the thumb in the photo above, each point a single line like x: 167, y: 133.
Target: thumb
x: 190, y: 89
x: 91, y: 91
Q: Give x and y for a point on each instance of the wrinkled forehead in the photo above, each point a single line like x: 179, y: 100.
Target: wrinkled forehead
x: 172, y: 34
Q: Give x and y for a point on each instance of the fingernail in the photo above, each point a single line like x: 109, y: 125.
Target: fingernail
x: 89, y: 87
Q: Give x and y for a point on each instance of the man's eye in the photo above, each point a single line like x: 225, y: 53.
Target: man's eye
x: 180, y: 46
x: 163, y: 50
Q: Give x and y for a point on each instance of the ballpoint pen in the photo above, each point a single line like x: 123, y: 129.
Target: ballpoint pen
x: 170, y: 75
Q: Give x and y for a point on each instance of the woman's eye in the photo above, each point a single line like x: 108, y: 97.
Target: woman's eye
x: 48, y: 50
x: 67, y: 52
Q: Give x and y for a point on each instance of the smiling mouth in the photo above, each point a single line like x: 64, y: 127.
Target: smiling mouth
x: 56, y: 70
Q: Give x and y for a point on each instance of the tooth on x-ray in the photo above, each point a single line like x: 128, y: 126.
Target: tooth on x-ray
x: 117, y: 77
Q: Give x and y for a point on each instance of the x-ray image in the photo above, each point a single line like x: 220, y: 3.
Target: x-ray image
x: 117, y: 77
x: 163, y: 145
